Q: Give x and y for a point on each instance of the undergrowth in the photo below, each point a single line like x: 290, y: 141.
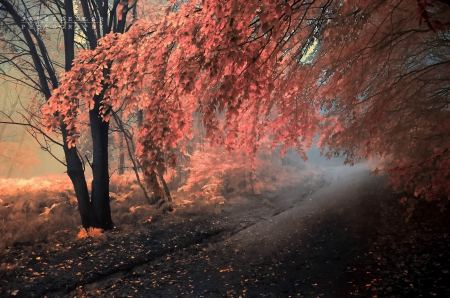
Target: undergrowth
x: 45, y: 209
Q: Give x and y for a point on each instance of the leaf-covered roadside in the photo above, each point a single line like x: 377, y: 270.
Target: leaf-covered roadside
x: 60, y: 263
x: 406, y: 259
x: 356, y: 245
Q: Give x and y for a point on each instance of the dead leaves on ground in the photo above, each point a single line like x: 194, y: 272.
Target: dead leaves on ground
x: 90, y: 232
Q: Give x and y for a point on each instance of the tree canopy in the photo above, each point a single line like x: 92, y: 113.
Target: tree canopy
x: 41, y: 39
x: 370, y: 77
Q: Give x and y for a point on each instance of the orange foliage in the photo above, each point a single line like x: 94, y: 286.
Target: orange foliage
x: 57, y: 183
x: 90, y: 232
x: 45, y: 209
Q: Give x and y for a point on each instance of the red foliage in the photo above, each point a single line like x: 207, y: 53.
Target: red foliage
x: 423, y: 15
x: 239, y: 66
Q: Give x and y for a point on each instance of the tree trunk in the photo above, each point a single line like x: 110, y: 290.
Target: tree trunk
x: 100, y: 182
x: 131, y: 149
x: 165, y: 187
x: 16, y: 155
x: 121, y: 155
x: 8, y: 114
x: 94, y: 210
x: 121, y: 147
x: 76, y: 174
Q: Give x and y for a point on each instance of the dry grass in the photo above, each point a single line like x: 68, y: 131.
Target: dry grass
x: 45, y: 209
x: 90, y: 232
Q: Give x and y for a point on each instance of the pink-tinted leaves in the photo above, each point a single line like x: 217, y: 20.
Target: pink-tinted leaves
x: 438, y: 25
x: 245, y: 83
x: 279, y: 9
x: 288, y: 10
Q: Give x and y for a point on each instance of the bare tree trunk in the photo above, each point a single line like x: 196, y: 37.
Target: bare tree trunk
x: 140, y: 118
x: 7, y: 114
x: 14, y: 159
x: 130, y: 147
x: 165, y: 187
x: 121, y: 151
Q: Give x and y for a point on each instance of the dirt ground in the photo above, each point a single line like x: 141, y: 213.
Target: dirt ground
x: 338, y: 236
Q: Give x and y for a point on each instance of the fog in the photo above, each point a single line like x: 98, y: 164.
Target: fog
x: 45, y: 164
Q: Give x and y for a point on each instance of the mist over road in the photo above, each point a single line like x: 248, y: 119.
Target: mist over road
x: 306, y: 246
x: 314, y: 243
x: 338, y: 232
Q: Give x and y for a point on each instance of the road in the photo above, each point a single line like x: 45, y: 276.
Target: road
x: 309, y: 249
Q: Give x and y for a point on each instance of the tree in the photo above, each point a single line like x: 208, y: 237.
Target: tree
x: 14, y: 146
x: 248, y: 70
x: 377, y: 88
x: 156, y: 65
x: 387, y: 94
x: 32, y: 51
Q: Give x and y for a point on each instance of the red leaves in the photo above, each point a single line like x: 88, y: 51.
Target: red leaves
x: 283, y: 8
x: 288, y: 10
x: 422, y: 14
x: 437, y: 25
x: 279, y: 9
x: 245, y: 83
x: 71, y: 141
x: 265, y: 27
x: 172, y: 160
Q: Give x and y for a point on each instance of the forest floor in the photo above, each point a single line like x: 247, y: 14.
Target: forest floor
x: 339, y: 236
